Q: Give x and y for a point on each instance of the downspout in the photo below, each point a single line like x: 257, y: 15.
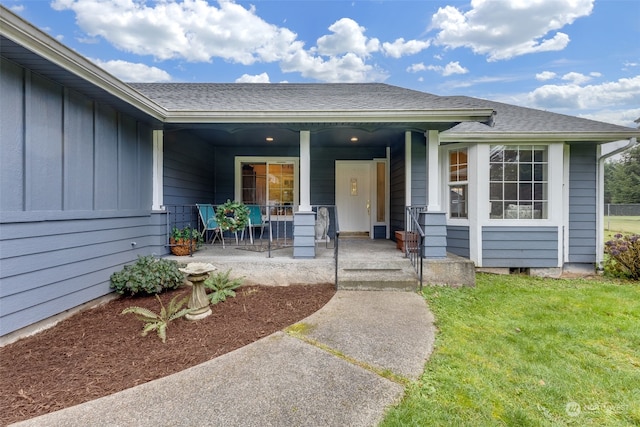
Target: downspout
x: 600, y: 194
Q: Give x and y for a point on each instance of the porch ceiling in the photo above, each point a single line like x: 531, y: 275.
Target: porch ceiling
x: 287, y: 134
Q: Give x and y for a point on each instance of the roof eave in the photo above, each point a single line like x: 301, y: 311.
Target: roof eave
x: 599, y: 137
x: 350, y: 116
x: 20, y: 31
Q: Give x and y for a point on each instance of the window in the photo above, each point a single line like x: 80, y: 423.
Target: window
x: 267, y: 181
x: 518, y: 182
x: 458, y: 183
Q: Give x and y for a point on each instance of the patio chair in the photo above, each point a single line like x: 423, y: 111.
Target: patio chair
x: 256, y: 221
x: 208, y: 217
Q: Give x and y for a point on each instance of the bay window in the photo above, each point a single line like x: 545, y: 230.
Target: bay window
x: 518, y: 182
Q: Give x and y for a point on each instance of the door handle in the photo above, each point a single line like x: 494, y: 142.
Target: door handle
x: 368, y: 207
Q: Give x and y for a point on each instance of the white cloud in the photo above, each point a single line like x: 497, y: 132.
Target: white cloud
x: 576, y: 78
x: 17, y: 8
x: 347, y: 37
x: 349, y: 68
x: 197, y: 31
x: 416, y: 68
x: 259, y: 78
x: 617, y: 95
x: 506, y: 29
x: 545, y: 75
x: 618, y: 117
x: 191, y: 29
x: 131, y: 72
x: 449, y: 69
x: 400, y: 47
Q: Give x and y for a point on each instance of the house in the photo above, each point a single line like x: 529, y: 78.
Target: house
x: 89, y: 164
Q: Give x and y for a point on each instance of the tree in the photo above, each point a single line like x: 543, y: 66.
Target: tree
x: 624, y: 184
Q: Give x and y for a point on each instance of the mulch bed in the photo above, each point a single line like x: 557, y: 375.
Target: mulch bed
x: 99, y: 351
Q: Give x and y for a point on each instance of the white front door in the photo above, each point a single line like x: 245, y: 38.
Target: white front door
x: 353, y: 195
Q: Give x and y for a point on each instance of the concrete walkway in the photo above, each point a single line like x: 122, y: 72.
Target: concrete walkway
x: 342, y: 366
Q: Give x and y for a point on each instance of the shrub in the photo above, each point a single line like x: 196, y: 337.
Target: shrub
x: 221, y: 286
x: 159, y: 322
x: 624, y: 256
x: 148, y: 276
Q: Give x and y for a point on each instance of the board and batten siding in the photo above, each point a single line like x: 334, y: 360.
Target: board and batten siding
x: 458, y: 240
x: 582, y: 203
x: 520, y: 247
x: 75, y: 192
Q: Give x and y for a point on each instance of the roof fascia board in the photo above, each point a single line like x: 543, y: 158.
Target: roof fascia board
x: 20, y: 31
x: 537, y: 136
x: 470, y: 115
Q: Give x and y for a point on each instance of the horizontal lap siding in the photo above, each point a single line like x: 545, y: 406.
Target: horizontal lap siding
x: 582, y: 203
x: 75, y: 193
x: 520, y: 247
x: 50, y: 267
x: 458, y: 240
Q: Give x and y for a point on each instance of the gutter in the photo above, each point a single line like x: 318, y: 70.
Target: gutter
x: 600, y: 200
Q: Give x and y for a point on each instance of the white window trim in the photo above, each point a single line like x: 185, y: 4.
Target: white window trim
x: 555, y: 180
x: 470, y: 183
x: 262, y: 159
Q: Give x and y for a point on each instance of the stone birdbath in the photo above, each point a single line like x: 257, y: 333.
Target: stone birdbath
x: 197, y: 273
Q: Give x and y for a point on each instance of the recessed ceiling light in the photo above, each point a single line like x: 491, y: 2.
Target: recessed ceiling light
x: 269, y: 139
x: 354, y: 139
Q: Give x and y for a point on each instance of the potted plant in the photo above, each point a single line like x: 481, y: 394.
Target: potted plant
x: 184, y: 241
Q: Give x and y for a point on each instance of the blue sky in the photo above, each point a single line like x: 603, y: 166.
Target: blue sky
x: 578, y: 57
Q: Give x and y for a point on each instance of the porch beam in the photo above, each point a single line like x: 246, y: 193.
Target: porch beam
x: 305, y: 171
x: 433, y: 171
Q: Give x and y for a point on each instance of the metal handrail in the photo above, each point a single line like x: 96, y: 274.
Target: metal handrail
x: 413, y: 226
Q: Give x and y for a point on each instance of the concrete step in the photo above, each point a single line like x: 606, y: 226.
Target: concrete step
x: 376, y: 275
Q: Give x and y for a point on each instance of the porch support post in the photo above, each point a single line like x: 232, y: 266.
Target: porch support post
x: 304, y: 220
x: 434, y: 221
x: 305, y: 171
x: 158, y: 160
x: 433, y: 145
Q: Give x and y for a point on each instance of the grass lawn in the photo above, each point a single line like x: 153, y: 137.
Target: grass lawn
x: 621, y: 224
x: 524, y: 351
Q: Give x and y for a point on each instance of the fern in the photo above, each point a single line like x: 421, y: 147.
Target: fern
x: 159, y: 322
x: 222, y: 286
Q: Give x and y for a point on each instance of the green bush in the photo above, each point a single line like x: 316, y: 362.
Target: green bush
x: 221, y: 286
x: 159, y: 322
x: 148, y: 275
x: 624, y: 256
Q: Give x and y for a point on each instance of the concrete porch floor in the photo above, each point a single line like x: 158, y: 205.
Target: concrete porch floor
x: 364, y: 264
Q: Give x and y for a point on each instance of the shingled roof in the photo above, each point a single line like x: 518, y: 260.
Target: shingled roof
x: 516, y: 122
x: 297, y: 97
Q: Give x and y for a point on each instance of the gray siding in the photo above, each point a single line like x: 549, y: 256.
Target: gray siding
x: 75, y: 192
x: 520, y: 247
x: 323, y: 168
x: 397, y: 184
x: 188, y: 175
x: 582, y: 203
x: 458, y: 240
x: 418, y: 169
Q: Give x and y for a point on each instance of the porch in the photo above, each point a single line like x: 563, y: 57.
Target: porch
x: 350, y: 262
